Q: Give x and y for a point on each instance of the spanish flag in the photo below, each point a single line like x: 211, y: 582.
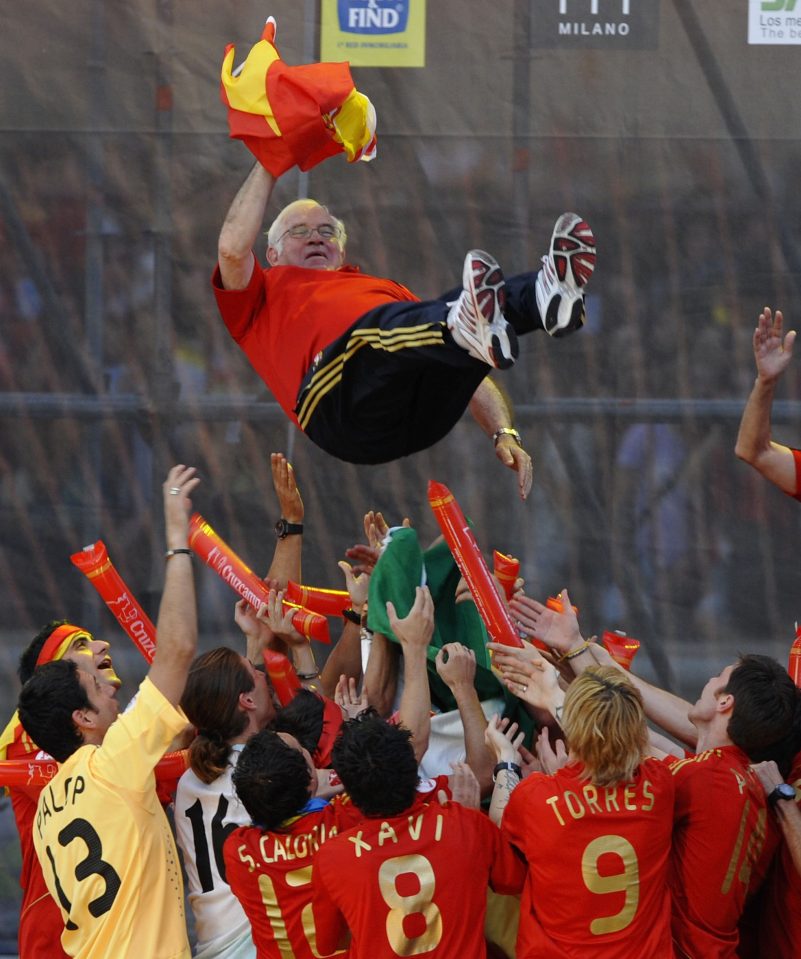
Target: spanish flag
x: 295, y: 116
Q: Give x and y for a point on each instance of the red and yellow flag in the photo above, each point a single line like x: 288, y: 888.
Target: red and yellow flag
x: 295, y: 116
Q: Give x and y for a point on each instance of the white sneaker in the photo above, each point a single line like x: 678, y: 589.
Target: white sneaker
x: 565, y: 272
x: 476, y: 319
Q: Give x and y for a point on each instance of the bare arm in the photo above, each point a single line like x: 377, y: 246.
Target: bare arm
x: 772, y: 355
x: 287, y: 555
x: 176, y: 627
x: 490, y: 409
x: 414, y: 633
x: 381, y: 674
x: 456, y: 665
x: 346, y: 656
x: 787, y: 811
x: 241, y: 227
x: 504, y: 741
x: 344, y: 659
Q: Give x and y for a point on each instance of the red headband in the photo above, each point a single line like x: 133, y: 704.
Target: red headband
x: 49, y: 651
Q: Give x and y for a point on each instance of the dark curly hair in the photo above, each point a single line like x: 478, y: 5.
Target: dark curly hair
x: 46, y: 704
x: 376, y: 763
x: 302, y: 717
x: 271, y: 779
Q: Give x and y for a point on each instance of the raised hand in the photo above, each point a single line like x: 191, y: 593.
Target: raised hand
x: 558, y: 630
x: 346, y: 696
x: 772, y: 353
x: 504, y: 739
x: 417, y: 628
x: 286, y: 488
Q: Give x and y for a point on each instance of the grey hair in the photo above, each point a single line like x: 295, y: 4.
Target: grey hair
x: 277, y: 227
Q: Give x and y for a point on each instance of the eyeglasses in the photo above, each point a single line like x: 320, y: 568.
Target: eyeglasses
x: 327, y: 231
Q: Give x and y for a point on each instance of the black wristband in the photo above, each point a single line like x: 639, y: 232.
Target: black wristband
x: 511, y: 767
x: 176, y: 552
x: 284, y: 528
x: 783, y: 792
x: 352, y: 616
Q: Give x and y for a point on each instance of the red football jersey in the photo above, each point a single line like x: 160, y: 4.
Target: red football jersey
x: 414, y: 884
x: 270, y: 873
x: 778, y: 921
x: 40, y: 924
x: 719, y: 849
x: 597, y: 860
x: 287, y: 314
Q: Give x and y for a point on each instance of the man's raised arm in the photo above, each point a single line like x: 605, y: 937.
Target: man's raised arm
x: 176, y: 627
x: 491, y: 410
x: 772, y: 355
x: 241, y: 227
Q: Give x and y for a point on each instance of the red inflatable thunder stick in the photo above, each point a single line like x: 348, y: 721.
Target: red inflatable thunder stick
x: 794, y: 662
x: 326, y: 602
x: 39, y: 772
x: 471, y: 564
x: 93, y: 561
x: 219, y: 556
x: 282, y: 675
x: 621, y: 648
x: 506, y: 570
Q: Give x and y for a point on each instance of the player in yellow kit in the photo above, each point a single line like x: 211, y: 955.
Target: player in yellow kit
x: 104, y: 843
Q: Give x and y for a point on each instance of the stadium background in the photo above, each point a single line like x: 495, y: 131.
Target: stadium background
x: 678, y: 141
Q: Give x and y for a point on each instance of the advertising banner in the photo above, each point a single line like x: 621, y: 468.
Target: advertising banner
x: 596, y: 24
x: 774, y: 21
x: 374, y: 33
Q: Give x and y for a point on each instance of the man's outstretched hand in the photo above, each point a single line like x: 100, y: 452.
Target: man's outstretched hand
x: 516, y: 458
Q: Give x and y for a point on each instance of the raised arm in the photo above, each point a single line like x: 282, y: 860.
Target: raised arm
x: 787, y: 811
x: 491, y: 410
x: 176, y: 626
x: 241, y: 227
x: 456, y: 666
x: 346, y: 656
x: 381, y: 674
x: 414, y: 633
x: 286, y: 562
x: 504, y: 741
x: 772, y: 354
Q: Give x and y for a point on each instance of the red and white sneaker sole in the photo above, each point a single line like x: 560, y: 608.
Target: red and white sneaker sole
x: 573, y: 250
x: 483, y: 279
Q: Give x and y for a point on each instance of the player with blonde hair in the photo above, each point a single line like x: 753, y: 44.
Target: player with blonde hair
x: 597, y: 833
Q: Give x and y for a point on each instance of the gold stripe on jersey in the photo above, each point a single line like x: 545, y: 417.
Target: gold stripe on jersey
x: 330, y: 375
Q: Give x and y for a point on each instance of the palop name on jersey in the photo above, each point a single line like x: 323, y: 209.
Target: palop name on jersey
x: 52, y: 802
